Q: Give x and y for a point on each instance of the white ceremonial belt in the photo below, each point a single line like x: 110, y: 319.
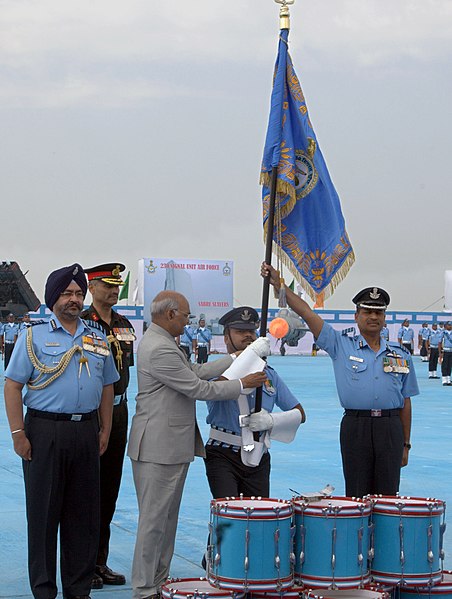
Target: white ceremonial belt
x: 447, y: 349
x: 224, y: 437
x: 203, y: 344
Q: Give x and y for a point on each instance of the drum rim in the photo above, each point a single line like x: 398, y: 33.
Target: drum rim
x: 387, y: 504
x: 216, y: 592
x: 352, y: 506
x: 226, y: 508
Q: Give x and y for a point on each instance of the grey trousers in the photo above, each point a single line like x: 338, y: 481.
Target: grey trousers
x: 159, y: 491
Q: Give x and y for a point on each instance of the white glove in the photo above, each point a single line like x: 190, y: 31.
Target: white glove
x: 260, y: 421
x: 261, y: 346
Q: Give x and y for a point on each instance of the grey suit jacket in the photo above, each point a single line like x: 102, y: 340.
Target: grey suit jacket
x: 164, y: 428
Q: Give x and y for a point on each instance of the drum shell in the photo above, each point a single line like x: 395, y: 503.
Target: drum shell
x: 231, y: 526
x: 415, y: 518
x: 317, y: 571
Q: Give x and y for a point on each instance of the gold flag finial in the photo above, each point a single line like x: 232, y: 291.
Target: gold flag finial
x: 284, y: 13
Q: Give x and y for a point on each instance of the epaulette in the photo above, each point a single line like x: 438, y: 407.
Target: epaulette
x: 398, y: 346
x: 94, y: 325
x: 33, y: 323
x: 351, y: 330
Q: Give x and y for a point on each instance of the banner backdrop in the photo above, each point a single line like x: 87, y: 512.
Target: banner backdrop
x: 207, y: 285
x: 448, y: 290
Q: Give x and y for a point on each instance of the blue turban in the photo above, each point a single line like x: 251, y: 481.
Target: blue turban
x: 60, y: 279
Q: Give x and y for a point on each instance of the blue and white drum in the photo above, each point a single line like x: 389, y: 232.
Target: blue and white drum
x: 332, y: 542
x: 195, y: 588
x: 368, y: 592
x: 442, y: 590
x: 250, y: 544
x: 407, y: 540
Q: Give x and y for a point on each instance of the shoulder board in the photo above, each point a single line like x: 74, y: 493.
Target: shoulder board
x: 33, y: 323
x: 268, y: 367
x: 92, y: 324
x: 398, y: 346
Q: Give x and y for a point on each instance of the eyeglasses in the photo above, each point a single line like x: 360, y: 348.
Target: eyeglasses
x: 186, y: 314
x: 68, y: 294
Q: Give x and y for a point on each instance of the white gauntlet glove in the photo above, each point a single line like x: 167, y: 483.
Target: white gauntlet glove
x: 260, y: 421
x: 261, y: 346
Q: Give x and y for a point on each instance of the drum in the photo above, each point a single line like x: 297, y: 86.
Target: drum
x: 193, y: 588
x: 251, y: 544
x: 295, y: 592
x: 407, y: 540
x: 332, y: 542
x: 443, y: 589
x: 368, y: 592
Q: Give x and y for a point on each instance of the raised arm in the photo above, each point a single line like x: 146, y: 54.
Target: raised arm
x: 313, y: 320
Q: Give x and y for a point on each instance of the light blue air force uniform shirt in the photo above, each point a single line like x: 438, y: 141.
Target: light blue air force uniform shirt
x: 203, y: 336
x: 385, y: 333
x: 436, y: 337
x: 361, y: 381
x: 425, y: 333
x: 10, y: 330
x: 406, y: 334
x: 447, y: 341
x: 225, y: 414
x: 75, y: 391
x: 187, y: 337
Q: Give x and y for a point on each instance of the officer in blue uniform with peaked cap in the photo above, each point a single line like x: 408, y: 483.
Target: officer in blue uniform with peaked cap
x: 68, y: 370
x: 375, y: 380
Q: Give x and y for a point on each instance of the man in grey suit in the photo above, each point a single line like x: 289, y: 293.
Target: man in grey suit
x: 164, y: 436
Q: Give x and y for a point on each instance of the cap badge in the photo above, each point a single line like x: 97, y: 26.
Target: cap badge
x: 374, y: 293
x: 75, y: 271
x: 115, y: 272
x: 245, y: 315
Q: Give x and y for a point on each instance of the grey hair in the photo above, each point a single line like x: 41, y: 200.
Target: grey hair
x: 160, y: 306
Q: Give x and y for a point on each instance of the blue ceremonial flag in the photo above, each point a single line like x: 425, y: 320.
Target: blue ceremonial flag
x: 309, y: 233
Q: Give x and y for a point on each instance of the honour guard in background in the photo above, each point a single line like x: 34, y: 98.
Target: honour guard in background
x: 405, y: 336
x: 186, y: 340
x: 385, y: 332
x: 434, y: 347
x: 375, y: 381
x: 446, y: 365
x: 423, y: 337
x: 68, y: 370
x: 203, y: 337
x: 26, y: 322
x: 9, y: 337
x: 104, y: 282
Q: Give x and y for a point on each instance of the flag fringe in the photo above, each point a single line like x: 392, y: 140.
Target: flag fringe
x: 328, y: 291
x: 285, y: 189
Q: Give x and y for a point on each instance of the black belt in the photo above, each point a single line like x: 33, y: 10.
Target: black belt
x: 60, y: 416
x: 373, y: 413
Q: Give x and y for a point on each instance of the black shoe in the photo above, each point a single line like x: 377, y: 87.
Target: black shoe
x: 97, y: 582
x: 109, y: 577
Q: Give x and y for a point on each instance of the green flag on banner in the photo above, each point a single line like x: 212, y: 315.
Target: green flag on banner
x: 124, y: 293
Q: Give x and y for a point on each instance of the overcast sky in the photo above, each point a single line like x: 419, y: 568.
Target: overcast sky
x: 135, y: 129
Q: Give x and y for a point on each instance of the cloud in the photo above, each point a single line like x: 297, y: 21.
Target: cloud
x: 59, y: 53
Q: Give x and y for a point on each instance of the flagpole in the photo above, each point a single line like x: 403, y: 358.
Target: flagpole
x: 284, y: 23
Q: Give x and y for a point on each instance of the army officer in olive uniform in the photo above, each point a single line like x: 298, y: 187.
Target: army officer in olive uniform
x: 104, y: 282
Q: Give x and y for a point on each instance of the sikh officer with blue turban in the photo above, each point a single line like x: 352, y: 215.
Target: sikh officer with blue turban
x: 68, y: 370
